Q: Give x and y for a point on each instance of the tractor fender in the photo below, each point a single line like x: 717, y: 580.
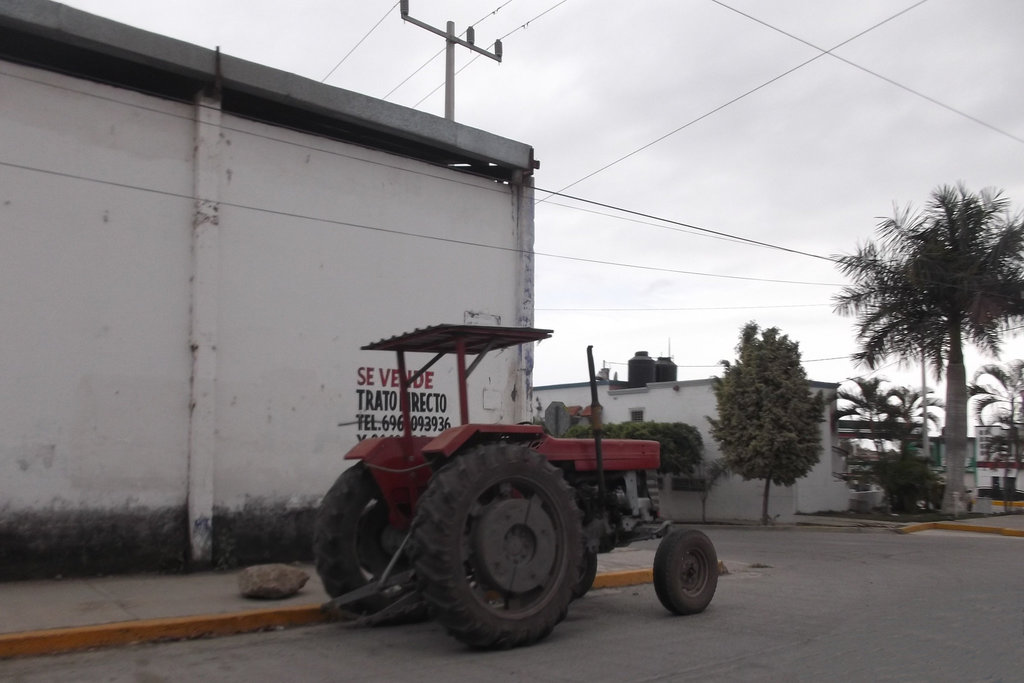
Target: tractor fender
x: 400, y: 470
x: 451, y: 441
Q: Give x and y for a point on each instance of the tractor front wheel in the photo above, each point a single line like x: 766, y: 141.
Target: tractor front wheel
x: 588, y: 573
x: 686, y: 571
x: 353, y: 540
x: 497, y: 546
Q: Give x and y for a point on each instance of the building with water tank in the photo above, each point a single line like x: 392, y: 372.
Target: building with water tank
x: 651, y: 393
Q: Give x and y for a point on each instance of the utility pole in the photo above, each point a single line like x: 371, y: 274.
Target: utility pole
x: 449, y: 54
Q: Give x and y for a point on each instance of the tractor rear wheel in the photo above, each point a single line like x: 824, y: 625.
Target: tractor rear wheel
x: 497, y: 546
x: 353, y: 540
x: 686, y: 571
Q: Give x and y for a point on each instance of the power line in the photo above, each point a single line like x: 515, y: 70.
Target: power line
x: 686, y: 225
x: 441, y: 52
x: 718, y: 365
x: 475, y: 57
x: 639, y: 222
x: 712, y: 233
x: 734, y: 100
x: 496, y: 188
x: 163, y: 112
x: 687, y: 308
x: 530, y: 21
x: 333, y: 153
x: 677, y: 271
x: 405, y: 233
x: 407, y: 78
x: 379, y: 22
x: 874, y: 73
x: 451, y: 41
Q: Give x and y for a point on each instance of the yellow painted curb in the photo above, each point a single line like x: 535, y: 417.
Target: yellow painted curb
x: 956, y: 526
x: 628, y: 577
x: 51, y: 641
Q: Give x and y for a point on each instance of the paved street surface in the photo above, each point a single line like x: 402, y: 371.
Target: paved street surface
x: 798, y: 605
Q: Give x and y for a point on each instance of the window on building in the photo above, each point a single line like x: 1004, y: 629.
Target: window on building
x: 636, y: 415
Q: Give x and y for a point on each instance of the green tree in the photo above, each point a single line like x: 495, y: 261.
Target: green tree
x: 682, y: 447
x: 910, y: 478
x: 907, y: 411
x: 864, y: 400
x: 998, y: 395
x: 906, y: 479
x: 893, y: 415
x: 767, y: 421
x: 934, y: 281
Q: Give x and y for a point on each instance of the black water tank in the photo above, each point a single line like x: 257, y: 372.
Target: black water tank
x: 664, y: 370
x: 641, y: 370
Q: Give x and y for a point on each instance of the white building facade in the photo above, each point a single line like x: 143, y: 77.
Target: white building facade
x: 995, y: 466
x: 731, y: 499
x: 193, y: 249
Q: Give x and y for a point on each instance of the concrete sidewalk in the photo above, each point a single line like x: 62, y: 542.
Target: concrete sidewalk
x: 43, y: 617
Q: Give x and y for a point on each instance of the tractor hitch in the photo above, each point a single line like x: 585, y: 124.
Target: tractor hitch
x: 369, y: 590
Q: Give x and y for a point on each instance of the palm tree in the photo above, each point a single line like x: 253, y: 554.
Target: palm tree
x: 999, y: 400
x: 893, y: 416
x: 907, y: 410
x: 949, y: 275
x: 865, y: 402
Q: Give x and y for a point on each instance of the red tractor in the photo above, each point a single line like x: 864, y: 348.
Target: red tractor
x: 492, y: 529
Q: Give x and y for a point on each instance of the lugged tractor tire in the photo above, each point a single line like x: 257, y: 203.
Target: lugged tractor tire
x: 497, y: 546
x: 588, y: 573
x: 686, y: 571
x: 353, y: 541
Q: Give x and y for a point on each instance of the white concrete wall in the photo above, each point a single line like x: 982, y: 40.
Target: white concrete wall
x: 821, y: 490
x: 307, y: 279
x: 95, y: 295
x: 118, y: 286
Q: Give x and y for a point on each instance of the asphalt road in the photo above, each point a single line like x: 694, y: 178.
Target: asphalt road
x: 797, y: 605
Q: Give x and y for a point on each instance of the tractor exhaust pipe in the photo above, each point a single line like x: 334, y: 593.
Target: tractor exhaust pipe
x: 597, y: 424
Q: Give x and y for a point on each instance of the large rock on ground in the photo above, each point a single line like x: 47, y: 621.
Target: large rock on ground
x: 271, y: 581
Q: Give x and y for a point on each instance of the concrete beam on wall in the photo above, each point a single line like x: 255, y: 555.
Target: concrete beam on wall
x: 207, y: 168
x: 523, y: 196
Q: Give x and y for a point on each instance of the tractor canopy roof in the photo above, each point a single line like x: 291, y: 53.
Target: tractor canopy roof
x: 446, y: 338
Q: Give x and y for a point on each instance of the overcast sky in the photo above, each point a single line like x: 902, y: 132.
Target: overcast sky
x: 726, y: 116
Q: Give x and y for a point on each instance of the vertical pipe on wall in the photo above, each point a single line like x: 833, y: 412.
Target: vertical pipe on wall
x: 203, y: 332
x: 460, y: 368
x: 522, y: 196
